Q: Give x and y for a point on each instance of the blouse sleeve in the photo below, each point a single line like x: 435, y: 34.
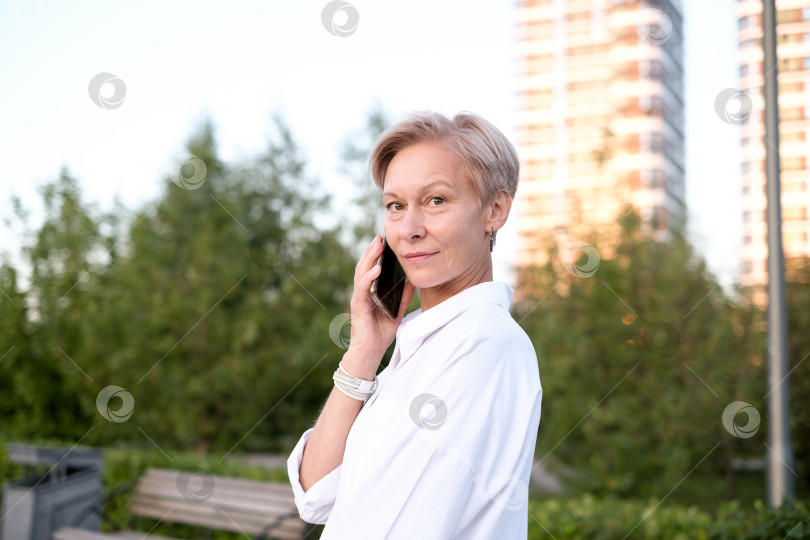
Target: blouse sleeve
x: 316, y: 503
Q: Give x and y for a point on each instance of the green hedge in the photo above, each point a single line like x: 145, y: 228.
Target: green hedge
x: 590, y: 518
x: 789, y: 521
x: 584, y: 517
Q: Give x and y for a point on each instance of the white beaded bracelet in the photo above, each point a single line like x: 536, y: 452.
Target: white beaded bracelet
x: 352, y: 386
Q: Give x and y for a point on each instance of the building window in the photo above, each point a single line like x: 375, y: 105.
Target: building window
x: 793, y: 186
x: 650, y: 105
x: 650, y: 69
x: 794, y: 113
x: 747, y: 267
x: 795, y: 237
x: 791, y: 64
x: 652, y: 142
x: 792, y: 163
x: 790, y: 16
x: 794, y: 213
x: 744, y: 70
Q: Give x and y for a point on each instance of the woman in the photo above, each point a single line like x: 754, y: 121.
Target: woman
x: 440, y: 444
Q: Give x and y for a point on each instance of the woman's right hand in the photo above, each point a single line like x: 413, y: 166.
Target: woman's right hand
x: 371, y: 331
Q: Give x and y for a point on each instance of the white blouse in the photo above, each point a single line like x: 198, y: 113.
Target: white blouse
x: 444, y: 447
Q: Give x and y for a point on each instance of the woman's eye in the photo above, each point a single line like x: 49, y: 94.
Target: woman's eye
x: 440, y: 199
x: 396, y: 206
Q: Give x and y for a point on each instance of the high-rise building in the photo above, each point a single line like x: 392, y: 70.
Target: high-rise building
x: 793, y: 67
x: 600, y: 117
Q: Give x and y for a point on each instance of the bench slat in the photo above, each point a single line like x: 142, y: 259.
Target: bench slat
x: 72, y: 533
x: 217, y: 518
x: 136, y: 535
x: 216, y: 493
x: 232, y: 504
x: 233, y: 501
x: 225, y: 482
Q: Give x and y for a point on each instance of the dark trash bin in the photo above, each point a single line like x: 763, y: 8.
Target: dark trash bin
x: 41, y: 502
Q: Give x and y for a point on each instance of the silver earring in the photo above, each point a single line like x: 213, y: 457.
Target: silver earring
x: 491, y: 239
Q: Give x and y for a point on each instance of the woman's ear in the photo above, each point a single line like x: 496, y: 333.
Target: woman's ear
x: 498, y: 210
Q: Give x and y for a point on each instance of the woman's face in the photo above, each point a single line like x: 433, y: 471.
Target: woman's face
x: 431, y: 207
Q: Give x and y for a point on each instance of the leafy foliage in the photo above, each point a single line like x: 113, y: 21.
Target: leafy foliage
x: 638, y: 361
x: 609, y: 518
x: 209, y: 307
x: 798, y: 298
x: 791, y: 520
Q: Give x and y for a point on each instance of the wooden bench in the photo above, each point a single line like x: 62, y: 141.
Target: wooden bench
x: 249, y: 507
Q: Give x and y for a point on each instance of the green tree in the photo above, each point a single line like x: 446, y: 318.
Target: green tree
x: 798, y: 298
x: 224, y: 302
x: 638, y: 358
x: 211, y: 307
x: 45, y: 327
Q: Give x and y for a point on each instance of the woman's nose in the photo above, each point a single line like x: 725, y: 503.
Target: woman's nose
x: 412, y: 225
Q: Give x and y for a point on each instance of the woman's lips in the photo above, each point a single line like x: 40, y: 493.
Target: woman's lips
x: 418, y: 258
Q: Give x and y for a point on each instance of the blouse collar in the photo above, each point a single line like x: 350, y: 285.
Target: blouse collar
x: 417, y: 326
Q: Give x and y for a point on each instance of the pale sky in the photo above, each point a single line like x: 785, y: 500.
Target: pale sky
x: 241, y: 62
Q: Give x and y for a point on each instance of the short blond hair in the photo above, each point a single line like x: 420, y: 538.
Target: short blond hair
x: 489, y: 156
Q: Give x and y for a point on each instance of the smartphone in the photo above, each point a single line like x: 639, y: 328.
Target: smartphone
x: 387, y: 289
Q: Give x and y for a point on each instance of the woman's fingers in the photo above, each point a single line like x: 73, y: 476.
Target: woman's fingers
x: 369, y: 257
x: 372, y: 274
x: 366, y: 272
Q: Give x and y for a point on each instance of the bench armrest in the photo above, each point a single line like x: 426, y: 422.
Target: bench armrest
x: 99, y: 509
x: 273, y: 524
